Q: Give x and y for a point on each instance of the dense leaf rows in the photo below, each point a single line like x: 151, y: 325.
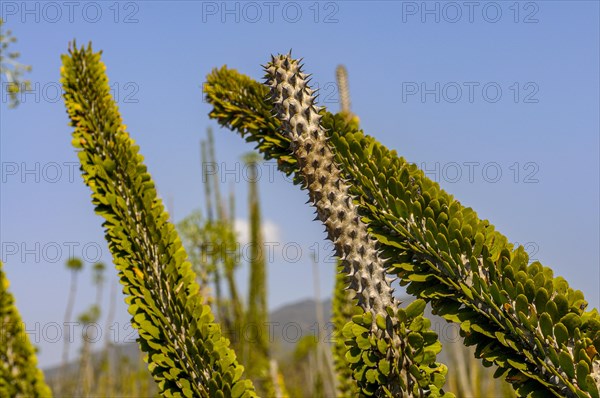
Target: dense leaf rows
x: 520, y: 317
x: 19, y: 375
x: 187, y: 354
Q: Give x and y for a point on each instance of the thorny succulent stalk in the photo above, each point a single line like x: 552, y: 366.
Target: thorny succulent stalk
x: 294, y: 104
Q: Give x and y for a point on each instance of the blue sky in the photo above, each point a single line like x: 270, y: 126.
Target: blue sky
x: 498, y: 101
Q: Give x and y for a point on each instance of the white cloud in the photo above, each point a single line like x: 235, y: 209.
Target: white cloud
x: 270, y: 231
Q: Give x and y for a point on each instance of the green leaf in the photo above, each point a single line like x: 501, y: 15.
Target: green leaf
x: 541, y: 298
x: 419, y: 278
x: 371, y: 375
x: 571, y: 321
x: 384, y: 367
x: 467, y: 291
x: 417, y: 324
x: 566, y: 364
x: 561, y: 334
x: 552, y: 311
x: 591, y: 387
x: 380, y: 321
x: 521, y: 304
x: 415, y: 340
x: 363, y: 341
x: 415, y: 308
x: 370, y: 358
x: 582, y: 370
x: 562, y: 305
x: 517, y: 365
x: 479, y: 239
x: 359, y: 330
x: 353, y: 355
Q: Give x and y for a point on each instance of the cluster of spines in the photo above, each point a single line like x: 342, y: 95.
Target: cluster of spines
x: 294, y: 105
x: 397, y: 213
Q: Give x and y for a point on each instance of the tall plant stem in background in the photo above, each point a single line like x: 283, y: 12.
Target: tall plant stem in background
x: 106, y: 363
x: 74, y: 265
x: 257, y: 316
x: 86, y: 371
x: 323, y: 354
x: 208, y: 165
x: 234, y: 317
x: 341, y: 75
x: 221, y: 215
x: 232, y: 204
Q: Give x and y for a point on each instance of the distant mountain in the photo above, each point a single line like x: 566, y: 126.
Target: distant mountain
x: 128, y: 353
x: 287, y: 325
x: 292, y: 321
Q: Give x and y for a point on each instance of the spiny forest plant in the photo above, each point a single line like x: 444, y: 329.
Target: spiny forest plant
x: 385, y: 218
x: 75, y: 265
x: 19, y: 375
x: 521, y: 318
x: 379, y: 356
x: 257, y: 314
x: 85, y: 379
x: 186, y: 352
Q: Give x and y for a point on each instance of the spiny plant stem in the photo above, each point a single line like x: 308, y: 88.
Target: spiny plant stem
x: 294, y: 105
